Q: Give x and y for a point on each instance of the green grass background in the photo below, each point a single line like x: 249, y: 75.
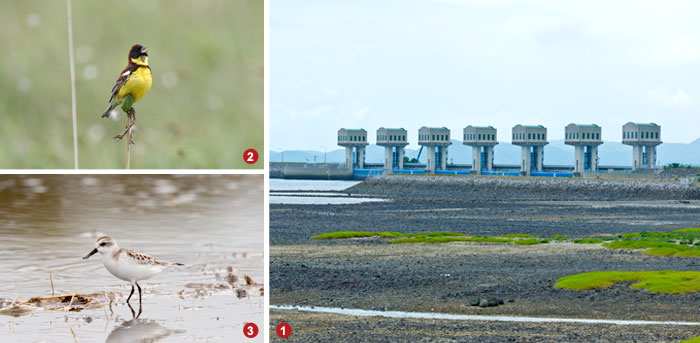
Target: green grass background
x: 212, y: 114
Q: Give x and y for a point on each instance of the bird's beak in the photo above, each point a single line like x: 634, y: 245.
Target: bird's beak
x: 93, y: 252
x: 144, y: 50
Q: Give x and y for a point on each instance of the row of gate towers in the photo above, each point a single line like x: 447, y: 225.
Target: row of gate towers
x: 585, y: 138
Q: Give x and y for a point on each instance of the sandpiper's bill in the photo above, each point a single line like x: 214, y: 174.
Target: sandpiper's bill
x: 128, y: 265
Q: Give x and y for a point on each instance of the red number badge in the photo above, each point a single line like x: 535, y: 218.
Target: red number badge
x: 250, y: 156
x: 250, y: 330
x: 284, y: 330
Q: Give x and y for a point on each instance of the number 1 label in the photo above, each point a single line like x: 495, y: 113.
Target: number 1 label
x: 284, y: 330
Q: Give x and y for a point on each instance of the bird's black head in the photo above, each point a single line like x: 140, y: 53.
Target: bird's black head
x: 137, y: 50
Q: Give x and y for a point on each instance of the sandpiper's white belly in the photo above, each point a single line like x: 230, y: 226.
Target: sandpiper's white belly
x: 129, y: 269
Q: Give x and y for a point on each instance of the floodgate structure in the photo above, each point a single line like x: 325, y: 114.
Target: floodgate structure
x: 585, y: 138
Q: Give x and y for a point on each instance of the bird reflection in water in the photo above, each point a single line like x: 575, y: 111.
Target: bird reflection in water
x: 139, y: 330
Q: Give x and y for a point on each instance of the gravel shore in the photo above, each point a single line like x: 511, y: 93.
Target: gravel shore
x: 373, y: 274
x: 315, y: 327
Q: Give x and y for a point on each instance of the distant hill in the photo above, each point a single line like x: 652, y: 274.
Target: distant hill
x: 555, y: 153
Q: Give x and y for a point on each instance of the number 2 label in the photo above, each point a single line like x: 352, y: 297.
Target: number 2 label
x: 250, y: 156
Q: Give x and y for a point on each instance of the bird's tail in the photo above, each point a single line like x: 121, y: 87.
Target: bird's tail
x: 108, y: 110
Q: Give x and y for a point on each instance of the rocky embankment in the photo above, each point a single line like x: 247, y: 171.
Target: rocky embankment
x: 526, y: 188
x: 678, y: 173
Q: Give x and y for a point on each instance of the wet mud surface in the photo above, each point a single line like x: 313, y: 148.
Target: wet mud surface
x: 322, y: 327
x: 373, y: 274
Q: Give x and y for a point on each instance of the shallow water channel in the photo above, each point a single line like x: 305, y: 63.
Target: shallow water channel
x: 315, y: 192
x: 212, y: 224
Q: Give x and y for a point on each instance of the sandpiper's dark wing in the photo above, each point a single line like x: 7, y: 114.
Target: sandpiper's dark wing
x: 145, y: 259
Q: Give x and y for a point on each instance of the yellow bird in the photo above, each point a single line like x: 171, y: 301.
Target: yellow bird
x: 133, y: 83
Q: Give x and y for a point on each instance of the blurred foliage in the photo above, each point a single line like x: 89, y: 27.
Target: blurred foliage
x: 205, y: 107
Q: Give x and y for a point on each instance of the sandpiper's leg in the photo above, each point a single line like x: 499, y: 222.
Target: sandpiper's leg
x: 130, y: 294
x: 133, y: 313
x: 137, y: 285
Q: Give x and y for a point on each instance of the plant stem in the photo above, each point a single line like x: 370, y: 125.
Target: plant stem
x: 72, y: 84
x: 128, y: 142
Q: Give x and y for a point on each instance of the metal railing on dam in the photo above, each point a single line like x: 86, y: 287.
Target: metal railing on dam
x: 334, y: 171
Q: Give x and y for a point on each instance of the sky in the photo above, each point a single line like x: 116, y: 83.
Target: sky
x: 453, y: 63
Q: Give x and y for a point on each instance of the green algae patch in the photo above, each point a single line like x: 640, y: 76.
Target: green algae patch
x: 691, y: 230
x: 489, y: 239
x: 518, y: 235
x: 530, y: 241
x: 445, y: 239
x: 656, y: 248
x: 470, y: 239
x: 435, y: 234
x: 362, y: 234
x: 683, y: 242
x: 646, y: 235
x: 434, y: 237
x: 442, y: 239
x: 688, y: 234
x: 692, y: 340
x: 667, y: 281
x: 588, y: 241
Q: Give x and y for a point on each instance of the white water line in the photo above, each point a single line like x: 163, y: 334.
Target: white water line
x: 467, y: 317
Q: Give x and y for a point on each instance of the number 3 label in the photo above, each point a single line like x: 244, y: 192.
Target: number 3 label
x: 250, y: 156
x: 284, y: 330
x: 250, y: 330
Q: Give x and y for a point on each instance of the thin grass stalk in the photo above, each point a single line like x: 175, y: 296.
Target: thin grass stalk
x: 128, y: 143
x: 72, y: 84
x: 51, y: 279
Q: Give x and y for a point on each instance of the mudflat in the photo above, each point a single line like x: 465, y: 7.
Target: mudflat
x: 373, y: 274
x: 322, y: 327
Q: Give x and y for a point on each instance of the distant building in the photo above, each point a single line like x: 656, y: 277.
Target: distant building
x: 585, y: 139
x: 436, y: 140
x: 354, y: 141
x: 394, y: 141
x: 643, y: 138
x: 482, y: 139
x: 532, y: 139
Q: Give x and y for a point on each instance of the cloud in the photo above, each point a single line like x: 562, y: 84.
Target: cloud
x: 479, y: 3
x: 330, y: 92
x: 315, y: 112
x: 676, y: 48
x: 358, y: 111
x: 670, y: 98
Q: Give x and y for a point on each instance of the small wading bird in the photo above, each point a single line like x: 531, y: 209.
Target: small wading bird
x: 133, y: 83
x: 128, y: 265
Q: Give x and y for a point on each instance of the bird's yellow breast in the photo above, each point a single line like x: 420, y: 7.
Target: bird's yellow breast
x: 138, y: 84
